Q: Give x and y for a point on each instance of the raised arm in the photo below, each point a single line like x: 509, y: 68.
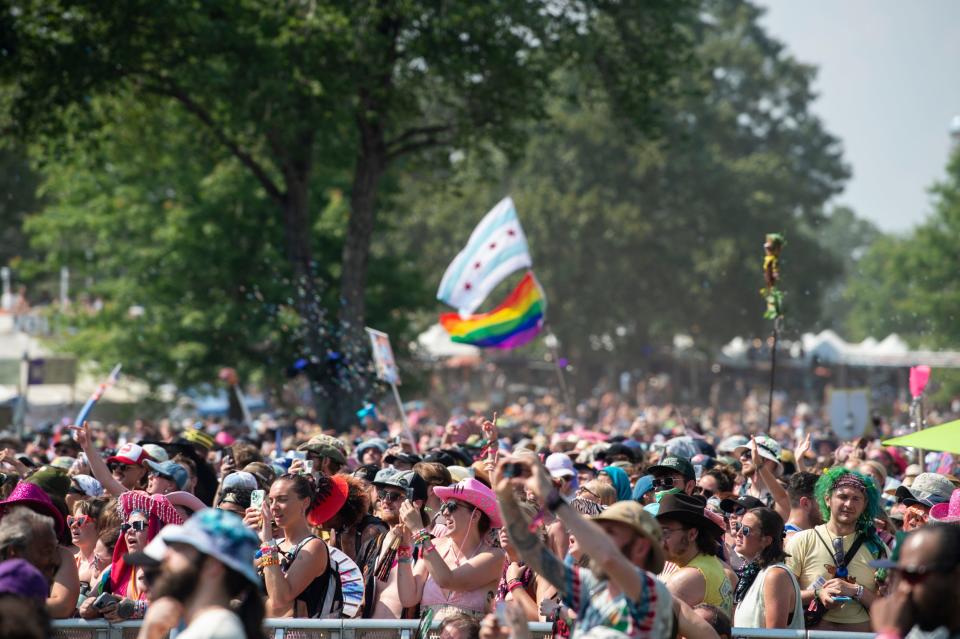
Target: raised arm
x: 533, y: 552
x: 97, y: 465
x: 781, y: 501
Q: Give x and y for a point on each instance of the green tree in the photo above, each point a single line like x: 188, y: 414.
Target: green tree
x: 636, y: 238
x: 297, y: 91
x: 907, y: 284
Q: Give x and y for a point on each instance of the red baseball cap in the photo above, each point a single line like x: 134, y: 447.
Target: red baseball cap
x: 131, y: 454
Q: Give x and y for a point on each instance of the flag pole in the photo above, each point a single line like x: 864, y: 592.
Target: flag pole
x: 551, y: 341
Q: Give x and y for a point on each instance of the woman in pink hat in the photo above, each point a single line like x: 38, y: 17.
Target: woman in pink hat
x: 456, y: 573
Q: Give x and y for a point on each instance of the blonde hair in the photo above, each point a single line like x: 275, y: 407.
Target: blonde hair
x: 605, y: 492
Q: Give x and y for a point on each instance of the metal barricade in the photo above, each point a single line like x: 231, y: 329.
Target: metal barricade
x: 288, y: 628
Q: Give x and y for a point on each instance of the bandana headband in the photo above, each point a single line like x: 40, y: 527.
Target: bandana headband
x: 850, y: 480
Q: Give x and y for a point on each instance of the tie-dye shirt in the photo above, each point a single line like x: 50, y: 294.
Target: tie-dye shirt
x: 649, y: 615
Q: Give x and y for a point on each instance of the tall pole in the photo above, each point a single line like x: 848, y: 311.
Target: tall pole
x: 773, y: 370
x: 773, y: 296
x: 551, y: 341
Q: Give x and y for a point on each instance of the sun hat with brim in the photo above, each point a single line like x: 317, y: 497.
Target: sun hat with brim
x: 741, y: 504
x: 325, y: 446
x: 474, y: 493
x: 948, y: 512
x: 632, y: 514
x: 674, y: 464
x: 688, y: 510
x: 172, y: 471
x: 732, y: 443
x: 21, y: 578
x: 34, y: 497
x: 325, y: 508
x: 130, y: 454
x: 216, y: 533
x: 767, y: 448
x: 928, y: 489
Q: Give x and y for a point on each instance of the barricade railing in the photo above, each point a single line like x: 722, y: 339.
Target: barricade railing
x: 288, y: 628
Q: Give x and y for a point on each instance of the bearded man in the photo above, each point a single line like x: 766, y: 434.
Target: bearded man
x: 832, y: 560
x: 203, y: 566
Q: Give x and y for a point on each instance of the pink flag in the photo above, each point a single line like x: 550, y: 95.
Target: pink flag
x: 919, y: 376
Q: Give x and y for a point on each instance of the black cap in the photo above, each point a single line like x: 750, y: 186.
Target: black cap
x: 674, y: 464
x: 743, y: 504
x: 618, y: 449
x: 408, y: 458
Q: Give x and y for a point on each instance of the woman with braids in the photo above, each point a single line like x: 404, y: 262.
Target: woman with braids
x: 832, y: 560
x: 300, y: 579
x: 767, y: 594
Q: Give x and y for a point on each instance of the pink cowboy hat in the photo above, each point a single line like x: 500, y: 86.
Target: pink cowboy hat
x: 474, y: 493
x: 34, y: 497
x: 947, y: 511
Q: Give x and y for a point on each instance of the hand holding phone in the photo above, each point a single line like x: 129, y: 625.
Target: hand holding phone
x: 256, y: 499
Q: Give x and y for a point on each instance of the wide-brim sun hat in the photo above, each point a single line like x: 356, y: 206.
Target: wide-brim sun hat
x: 643, y: 523
x: 34, y: 497
x: 476, y: 494
x: 948, y: 512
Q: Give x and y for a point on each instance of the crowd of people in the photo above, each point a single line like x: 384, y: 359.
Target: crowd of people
x: 642, y: 525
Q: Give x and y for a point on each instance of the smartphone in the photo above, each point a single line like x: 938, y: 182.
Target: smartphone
x: 104, y: 600
x: 125, y: 608
x: 308, y: 466
x: 501, y: 612
x: 298, y: 454
x: 514, y: 469
x: 842, y: 598
x: 256, y: 499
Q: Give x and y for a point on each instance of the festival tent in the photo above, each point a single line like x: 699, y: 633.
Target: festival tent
x: 943, y: 438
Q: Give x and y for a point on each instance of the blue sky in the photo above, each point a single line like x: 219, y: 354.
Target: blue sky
x: 889, y: 85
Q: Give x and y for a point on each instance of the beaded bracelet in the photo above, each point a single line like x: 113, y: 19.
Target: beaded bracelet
x: 269, y: 560
x: 421, y: 537
x: 404, y: 552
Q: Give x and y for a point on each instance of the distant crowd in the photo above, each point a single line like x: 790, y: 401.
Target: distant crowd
x: 626, y: 520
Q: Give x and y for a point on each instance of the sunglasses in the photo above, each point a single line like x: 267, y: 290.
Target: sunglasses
x: 114, y: 467
x: 389, y: 497
x: 663, y: 482
x: 706, y: 492
x: 138, y: 526
x: 449, y: 507
x: 740, y: 529
x: 78, y: 521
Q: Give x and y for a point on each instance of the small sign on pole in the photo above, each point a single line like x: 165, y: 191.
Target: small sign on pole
x: 388, y: 371
x: 849, y: 412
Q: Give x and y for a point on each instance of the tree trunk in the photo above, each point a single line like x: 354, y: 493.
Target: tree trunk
x: 371, y: 162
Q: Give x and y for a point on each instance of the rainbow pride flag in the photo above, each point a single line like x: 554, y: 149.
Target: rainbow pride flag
x: 516, y: 321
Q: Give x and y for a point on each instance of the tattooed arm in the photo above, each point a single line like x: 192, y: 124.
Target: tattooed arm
x: 532, y: 551
x: 593, y: 539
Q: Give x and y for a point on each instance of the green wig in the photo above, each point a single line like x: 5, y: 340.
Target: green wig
x: 865, y: 524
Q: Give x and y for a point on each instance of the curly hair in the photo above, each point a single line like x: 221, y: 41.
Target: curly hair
x: 865, y: 525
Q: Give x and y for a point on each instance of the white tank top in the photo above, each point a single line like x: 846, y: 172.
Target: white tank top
x: 750, y: 611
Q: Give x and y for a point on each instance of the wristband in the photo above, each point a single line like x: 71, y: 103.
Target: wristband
x: 554, y: 500
x: 513, y: 584
x: 404, y: 552
x: 428, y: 548
x: 859, y: 594
x: 404, y: 560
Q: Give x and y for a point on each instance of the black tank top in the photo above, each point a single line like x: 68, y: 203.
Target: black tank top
x: 323, y: 596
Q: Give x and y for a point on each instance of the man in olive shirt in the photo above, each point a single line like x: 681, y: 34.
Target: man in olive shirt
x: 820, y: 557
